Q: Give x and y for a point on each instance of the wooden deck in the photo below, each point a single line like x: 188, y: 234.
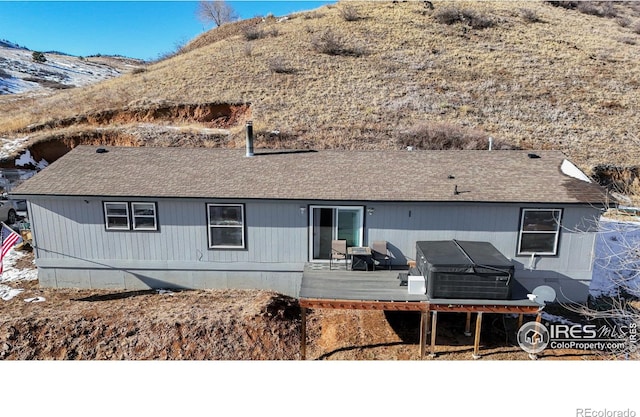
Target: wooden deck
x: 338, y: 288
x: 318, y: 282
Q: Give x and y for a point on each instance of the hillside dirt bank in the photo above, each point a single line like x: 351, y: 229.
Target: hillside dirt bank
x: 225, y: 325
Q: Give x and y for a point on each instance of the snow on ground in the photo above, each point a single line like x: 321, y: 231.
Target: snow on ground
x: 617, y: 259
x: 8, y: 147
x: 27, y: 159
x: 18, y: 71
x: 13, y: 276
x: 552, y: 318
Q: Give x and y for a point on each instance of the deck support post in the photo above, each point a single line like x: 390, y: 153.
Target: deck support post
x: 467, y: 325
x: 424, y: 330
x: 303, y: 333
x: 434, y: 327
x: 534, y: 356
x: 476, y: 343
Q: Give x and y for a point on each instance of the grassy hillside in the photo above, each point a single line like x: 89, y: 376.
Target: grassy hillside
x: 387, y: 75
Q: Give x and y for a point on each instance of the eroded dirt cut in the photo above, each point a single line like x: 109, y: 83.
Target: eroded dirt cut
x: 50, y: 147
x: 210, y: 115
x: 158, y: 124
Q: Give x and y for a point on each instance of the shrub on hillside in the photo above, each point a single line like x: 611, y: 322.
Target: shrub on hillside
x: 601, y: 9
x: 331, y: 44
x: 452, y: 15
x: 564, y: 4
x: 444, y: 136
x: 594, y: 8
x: 280, y: 66
x: 349, y: 13
x: 38, y: 57
x: 252, y: 33
x: 530, y: 15
x: 447, y: 16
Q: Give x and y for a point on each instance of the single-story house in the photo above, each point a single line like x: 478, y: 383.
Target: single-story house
x: 148, y: 217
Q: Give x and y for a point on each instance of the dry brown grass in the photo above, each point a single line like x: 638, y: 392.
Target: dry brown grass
x: 564, y: 81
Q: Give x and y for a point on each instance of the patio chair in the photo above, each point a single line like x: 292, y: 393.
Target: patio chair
x: 338, y: 252
x: 380, y: 254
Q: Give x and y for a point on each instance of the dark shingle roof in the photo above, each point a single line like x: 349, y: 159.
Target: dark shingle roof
x: 482, y: 176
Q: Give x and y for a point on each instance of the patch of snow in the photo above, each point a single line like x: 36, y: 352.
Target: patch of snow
x: 27, y: 159
x: 552, y: 318
x: 9, y: 147
x: 569, y: 169
x: 11, y: 273
x: 7, y: 293
x: 17, y: 65
x: 617, y: 259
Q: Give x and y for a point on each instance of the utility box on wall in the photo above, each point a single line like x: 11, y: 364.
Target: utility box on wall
x: 464, y: 270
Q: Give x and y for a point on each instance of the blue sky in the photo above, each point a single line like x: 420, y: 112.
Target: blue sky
x: 137, y: 29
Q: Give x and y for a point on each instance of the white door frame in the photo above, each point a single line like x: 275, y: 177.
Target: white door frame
x: 334, y: 226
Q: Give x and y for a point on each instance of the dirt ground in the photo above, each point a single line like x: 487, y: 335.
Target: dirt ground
x: 230, y: 325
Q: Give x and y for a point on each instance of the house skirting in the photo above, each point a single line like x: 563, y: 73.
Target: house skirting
x: 117, y: 277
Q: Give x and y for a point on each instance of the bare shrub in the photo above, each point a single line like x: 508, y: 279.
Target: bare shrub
x: 349, y: 13
x: 313, y: 15
x: 442, y: 136
x: 564, y: 4
x: 327, y: 43
x: 636, y: 28
x: 450, y: 16
x: 594, y: 8
x: 447, y: 16
x: 628, y: 40
x: 139, y: 70
x: 588, y: 7
x: 252, y: 33
x: 477, y: 20
x: 624, y: 22
x: 530, y: 16
x: 280, y: 66
x: 331, y: 44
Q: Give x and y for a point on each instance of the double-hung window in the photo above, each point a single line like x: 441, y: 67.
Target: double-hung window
x: 226, y: 226
x: 539, y: 231
x: 120, y: 215
x: 144, y: 216
x: 116, y: 215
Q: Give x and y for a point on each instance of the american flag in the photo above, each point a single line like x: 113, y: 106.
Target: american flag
x: 9, y: 239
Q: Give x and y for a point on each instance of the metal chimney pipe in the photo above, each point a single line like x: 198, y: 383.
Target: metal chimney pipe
x: 249, y: 142
x: 490, y: 143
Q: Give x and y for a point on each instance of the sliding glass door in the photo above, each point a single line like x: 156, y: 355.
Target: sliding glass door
x: 334, y: 222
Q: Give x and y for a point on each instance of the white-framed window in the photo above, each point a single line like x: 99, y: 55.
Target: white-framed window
x: 226, y: 226
x: 124, y: 215
x: 144, y: 216
x: 116, y: 215
x: 539, y: 231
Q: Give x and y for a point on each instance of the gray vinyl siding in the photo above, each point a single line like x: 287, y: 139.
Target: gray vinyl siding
x: 74, y: 249
x: 73, y: 229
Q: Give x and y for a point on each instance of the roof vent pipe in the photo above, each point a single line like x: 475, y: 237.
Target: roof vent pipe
x: 490, y: 143
x: 249, y: 138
